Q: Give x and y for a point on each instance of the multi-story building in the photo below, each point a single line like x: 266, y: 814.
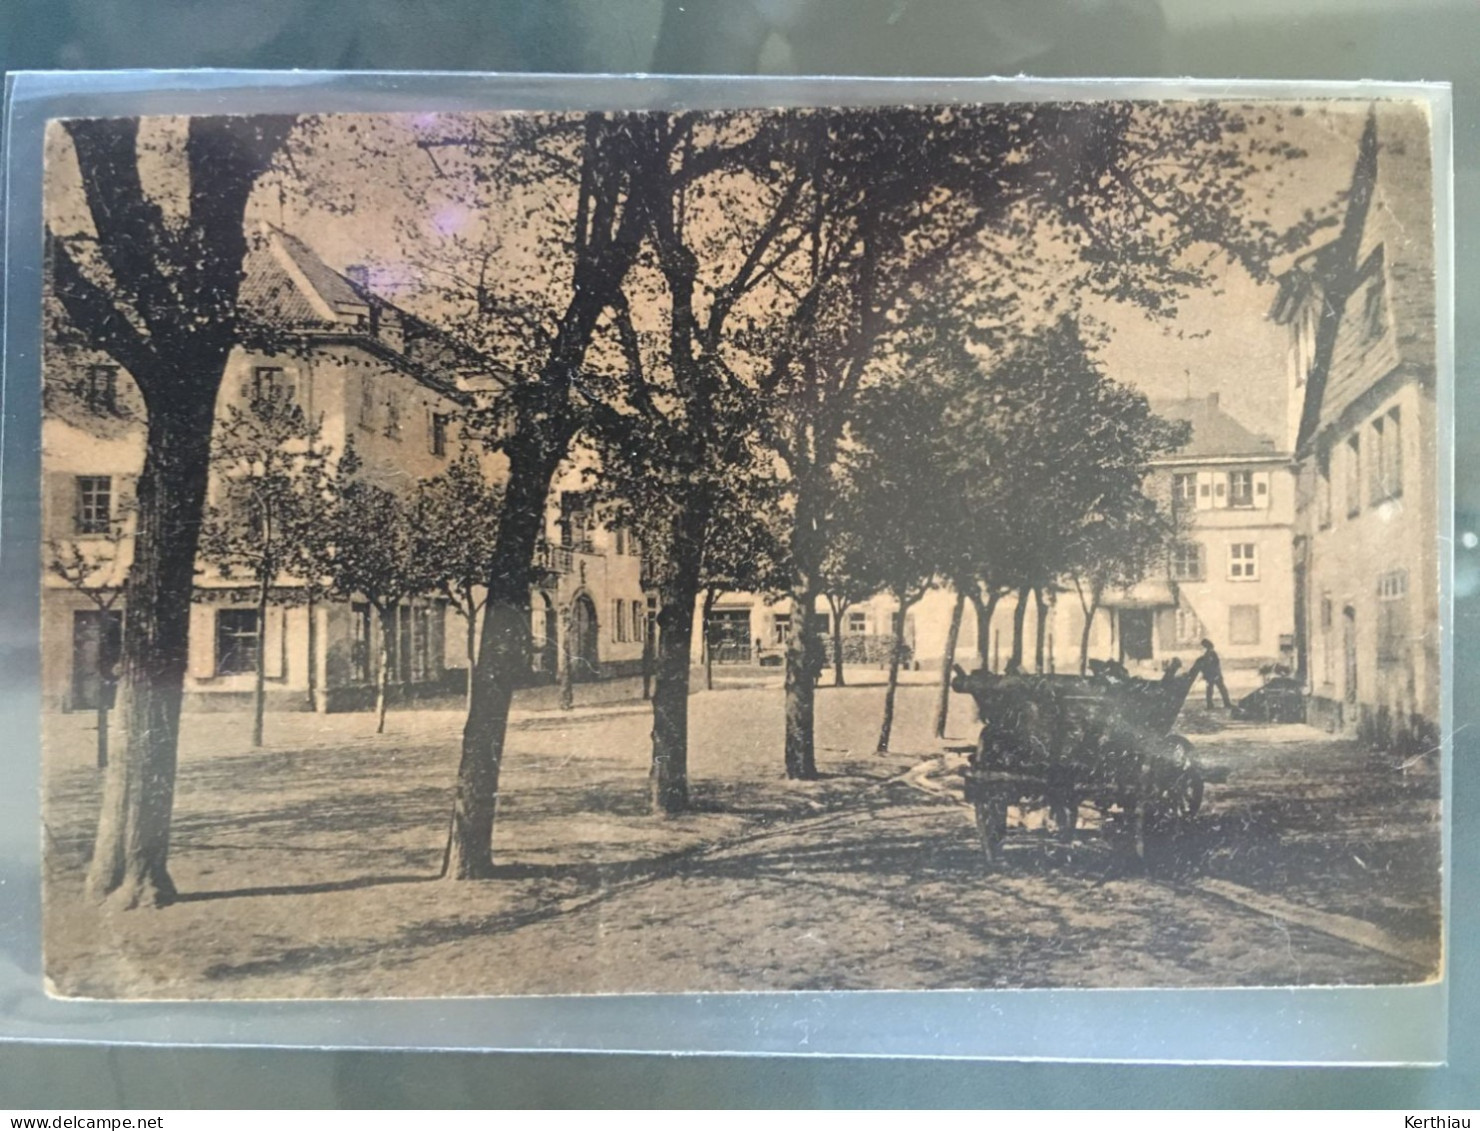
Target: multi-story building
x: 375, y: 378
x: 1361, y: 310
x: 1227, y: 576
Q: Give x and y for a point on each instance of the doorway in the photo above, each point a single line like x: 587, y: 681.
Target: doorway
x: 1349, y: 650
x: 584, y: 642
x: 1135, y: 634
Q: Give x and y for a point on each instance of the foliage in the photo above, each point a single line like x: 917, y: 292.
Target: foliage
x: 271, y: 490
x: 456, y: 531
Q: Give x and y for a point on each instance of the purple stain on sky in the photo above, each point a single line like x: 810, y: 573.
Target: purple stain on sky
x: 449, y: 219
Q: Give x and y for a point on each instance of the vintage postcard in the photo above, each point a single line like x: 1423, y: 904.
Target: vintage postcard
x: 938, y: 546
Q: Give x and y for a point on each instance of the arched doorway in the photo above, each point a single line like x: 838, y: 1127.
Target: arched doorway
x: 584, y: 655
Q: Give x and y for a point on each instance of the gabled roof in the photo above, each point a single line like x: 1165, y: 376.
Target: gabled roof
x: 1386, y: 239
x: 1215, y: 434
x: 287, y: 288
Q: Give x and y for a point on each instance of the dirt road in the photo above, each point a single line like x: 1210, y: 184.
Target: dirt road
x: 308, y: 868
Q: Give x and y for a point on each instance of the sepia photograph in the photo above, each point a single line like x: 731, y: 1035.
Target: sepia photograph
x: 954, y: 546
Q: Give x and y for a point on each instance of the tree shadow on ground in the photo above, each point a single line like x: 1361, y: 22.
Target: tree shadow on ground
x: 323, y: 888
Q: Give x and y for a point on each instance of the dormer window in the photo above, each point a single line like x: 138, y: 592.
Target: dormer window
x: 100, y: 389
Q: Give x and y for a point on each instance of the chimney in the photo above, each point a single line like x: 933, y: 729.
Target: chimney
x: 359, y: 275
x: 1213, y: 399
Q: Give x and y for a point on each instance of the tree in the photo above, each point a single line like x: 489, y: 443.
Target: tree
x: 153, y: 283
x: 846, y: 581
x: 742, y: 550
x: 674, y: 420
x: 594, y: 162
x: 896, y: 196
x: 457, y: 521
x: 900, y: 497
x: 95, y: 568
x: 1074, y: 449
x: 271, y: 476
x: 367, y: 546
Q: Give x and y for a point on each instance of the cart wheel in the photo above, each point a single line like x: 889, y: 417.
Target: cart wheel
x: 991, y: 826
x: 1185, y: 796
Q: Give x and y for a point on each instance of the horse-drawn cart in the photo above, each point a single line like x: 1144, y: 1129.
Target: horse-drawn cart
x: 1061, y: 742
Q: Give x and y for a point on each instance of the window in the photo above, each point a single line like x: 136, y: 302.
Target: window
x: 1323, y: 489
x: 639, y: 623
x: 94, y: 504
x: 367, y: 402
x: 1184, y: 489
x: 619, y: 621
x: 359, y: 651
x: 619, y: 540
x: 1353, y: 477
x: 1386, y: 459
x: 857, y: 623
x: 1189, y: 626
x: 1243, y: 624
x: 780, y: 628
x: 1241, y: 488
x: 1392, y: 616
x: 1243, y: 562
x: 237, y: 640
x: 269, y: 383
x: 392, y: 417
x: 1374, y: 310
x: 1186, y: 562
x: 100, y: 389
x: 439, y: 434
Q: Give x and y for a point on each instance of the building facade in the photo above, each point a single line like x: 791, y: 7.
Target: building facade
x: 1227, y: 577
x: 375, y: 379
x: 1361, y: 314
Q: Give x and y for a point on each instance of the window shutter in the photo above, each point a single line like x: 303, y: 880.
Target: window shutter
x: 1204, y: 490
x: 274, y: 643
x: 1261, y: 490
x: 60, y: 520
x: 202, y: 646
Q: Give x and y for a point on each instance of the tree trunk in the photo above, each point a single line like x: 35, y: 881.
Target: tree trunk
x: 131, y: 853
x: 1019, y: 614
x: 471, y: 641
x: 710, y: 595
x: 895, y: 653
x: 678, y: 591
x: 993, y: 599
x: 1040, y: 628
x: 313, y: 651
x: 503, y: 652
x: 801, y: 688
x: 650, y: 628
x: 259, y: 673
x: 943, y: 705
x: 1091, y: 607
x: 383, y: 676
x: 839, y: 608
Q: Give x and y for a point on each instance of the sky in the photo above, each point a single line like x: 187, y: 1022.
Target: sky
x: 1221, y: 342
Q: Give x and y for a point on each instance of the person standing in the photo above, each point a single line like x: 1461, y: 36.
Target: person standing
x: 1212, y: 670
